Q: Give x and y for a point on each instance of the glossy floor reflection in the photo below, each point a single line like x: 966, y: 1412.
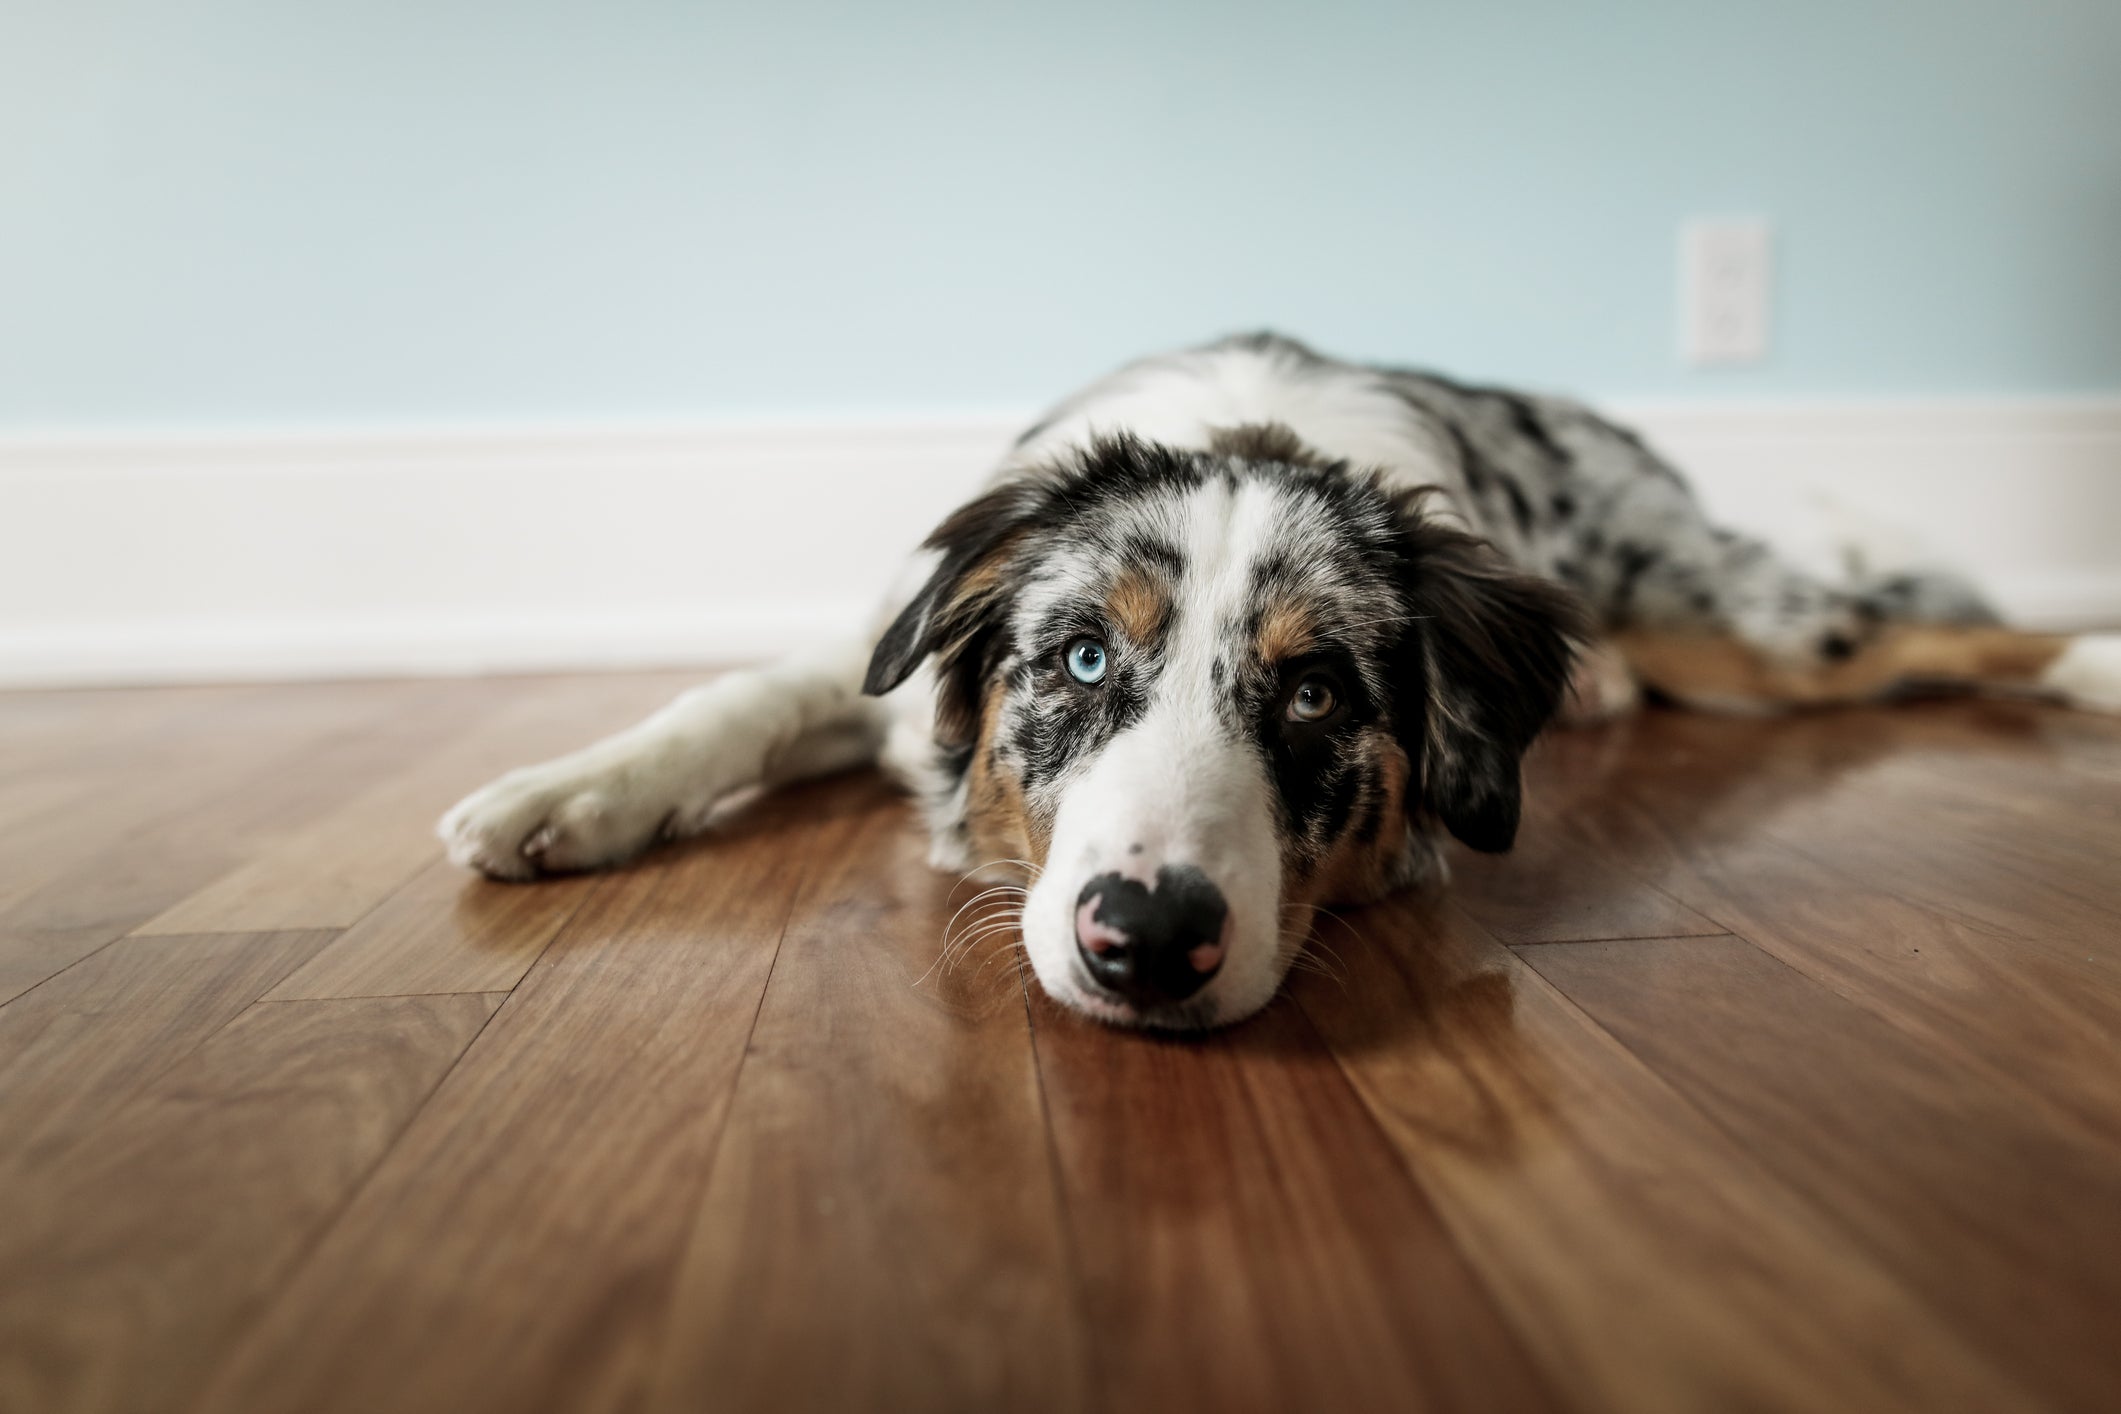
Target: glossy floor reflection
x: 1776, y: 1070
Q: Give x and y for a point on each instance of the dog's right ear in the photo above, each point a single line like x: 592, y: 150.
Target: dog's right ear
x: 957, y: 612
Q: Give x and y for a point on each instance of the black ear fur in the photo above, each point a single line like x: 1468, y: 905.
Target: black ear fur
x: 1484, y: 664
x: 954, y: 615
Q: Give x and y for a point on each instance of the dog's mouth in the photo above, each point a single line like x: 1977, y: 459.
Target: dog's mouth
x: 1088, y: 996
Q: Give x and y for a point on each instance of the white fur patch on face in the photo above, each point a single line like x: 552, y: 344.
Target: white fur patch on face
x: 1184, y: 785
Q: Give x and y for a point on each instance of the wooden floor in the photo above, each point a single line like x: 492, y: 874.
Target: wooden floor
x: 1779, y: 1069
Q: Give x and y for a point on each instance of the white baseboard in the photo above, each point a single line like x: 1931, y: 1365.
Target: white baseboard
x: 157, y: 559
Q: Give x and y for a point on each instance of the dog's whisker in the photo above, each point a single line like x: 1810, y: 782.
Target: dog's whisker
x: 998, y: 903
x: 958, y: 945
x: 1354, y: 934
x: 1303, y: 950
x: 988, y: 895
x: 993, y: 953
x: 964, y: 945
x: 1013, y: 923
x: 992, y: 925
x: 996, y: 945
x: 997, y: 908
x: 999, y: 894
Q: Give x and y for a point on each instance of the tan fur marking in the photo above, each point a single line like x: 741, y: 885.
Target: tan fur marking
x: 996, y: 820
x: 1138, y: 604
x: 953, y: 720
x: 1286, y: 629
x: 985, y: 577
x: 1715, y: 670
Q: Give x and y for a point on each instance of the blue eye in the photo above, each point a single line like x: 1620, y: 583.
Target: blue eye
x: 1086, y: 661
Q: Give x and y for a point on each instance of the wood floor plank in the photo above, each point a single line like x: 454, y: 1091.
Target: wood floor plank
x: 1564, y: 881
x: 126, y: 1265
x: 1770, y: 828
x: 2020, y: 861
x: 2013, y: 824
x: 2004, y: 1221
x: 78, y: 1046
x: 55, y: 820
x: 447, y: 930
x: 2041, y: 1010
x: 715, y: 1151
x: 1648, y: 1262
x: 515, y: 1250
x: 882, y: 1228
x: 119, y: 856
x: 1246, y: 1238
x: 332, y: 871
x: 50, y: 733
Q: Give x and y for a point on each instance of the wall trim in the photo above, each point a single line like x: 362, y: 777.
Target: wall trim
x: 340, y: 553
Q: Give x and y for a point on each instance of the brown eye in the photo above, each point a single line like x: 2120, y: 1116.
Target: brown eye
x: 1313, y: 701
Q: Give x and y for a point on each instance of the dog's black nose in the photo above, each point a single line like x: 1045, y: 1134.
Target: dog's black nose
x: 1151, y: 945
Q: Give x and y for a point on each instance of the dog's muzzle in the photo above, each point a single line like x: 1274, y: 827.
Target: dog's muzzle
x: 1156, y: 943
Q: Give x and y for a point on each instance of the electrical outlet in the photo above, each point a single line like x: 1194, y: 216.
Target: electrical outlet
x: 1726, y: 279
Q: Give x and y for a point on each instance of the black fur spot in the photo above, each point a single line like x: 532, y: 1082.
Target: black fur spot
x: 1525, y: 418
x: 1520, y: 507
x: 1631, y: 562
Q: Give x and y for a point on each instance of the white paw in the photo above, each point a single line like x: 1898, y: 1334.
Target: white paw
x: 1601, y: 687
x: 551, y: 819
x: 2088, y: 674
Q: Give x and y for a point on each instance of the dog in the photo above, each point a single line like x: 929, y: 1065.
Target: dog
x: 1243, y: 631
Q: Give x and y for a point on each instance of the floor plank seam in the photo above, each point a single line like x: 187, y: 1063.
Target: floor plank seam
x: 1549, y: 1380
x: 1950, y: 910
x: 1627, y: 938
x: 388, y: 894
x: 154, y: 937
x: 1856, y: 1234
x: 682, y: 1243
x: 1753, y: 1165
x: 382, y: 996
x: 47, y: 981
x: 201, y: 1042
x: 1078, y: 1288
x: 299, y: 1261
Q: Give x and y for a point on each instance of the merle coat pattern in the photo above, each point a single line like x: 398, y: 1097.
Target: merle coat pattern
x: 1243, y: 631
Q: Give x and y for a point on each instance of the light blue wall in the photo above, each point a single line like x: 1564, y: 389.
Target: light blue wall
x: 232, y: 212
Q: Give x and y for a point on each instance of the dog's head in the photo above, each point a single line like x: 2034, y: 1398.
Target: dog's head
x: 1203, y: 693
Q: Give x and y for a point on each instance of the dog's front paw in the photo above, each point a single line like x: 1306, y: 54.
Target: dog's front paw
x: 548, y: 820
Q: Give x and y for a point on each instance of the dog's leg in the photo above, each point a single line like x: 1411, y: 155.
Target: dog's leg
x: 1718, y: 620
x: 1723, y: 671
x: 660, y: 779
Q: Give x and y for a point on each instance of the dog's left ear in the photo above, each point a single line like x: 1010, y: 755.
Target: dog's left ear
x: 956, y: 614
x: 1483, y: 665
